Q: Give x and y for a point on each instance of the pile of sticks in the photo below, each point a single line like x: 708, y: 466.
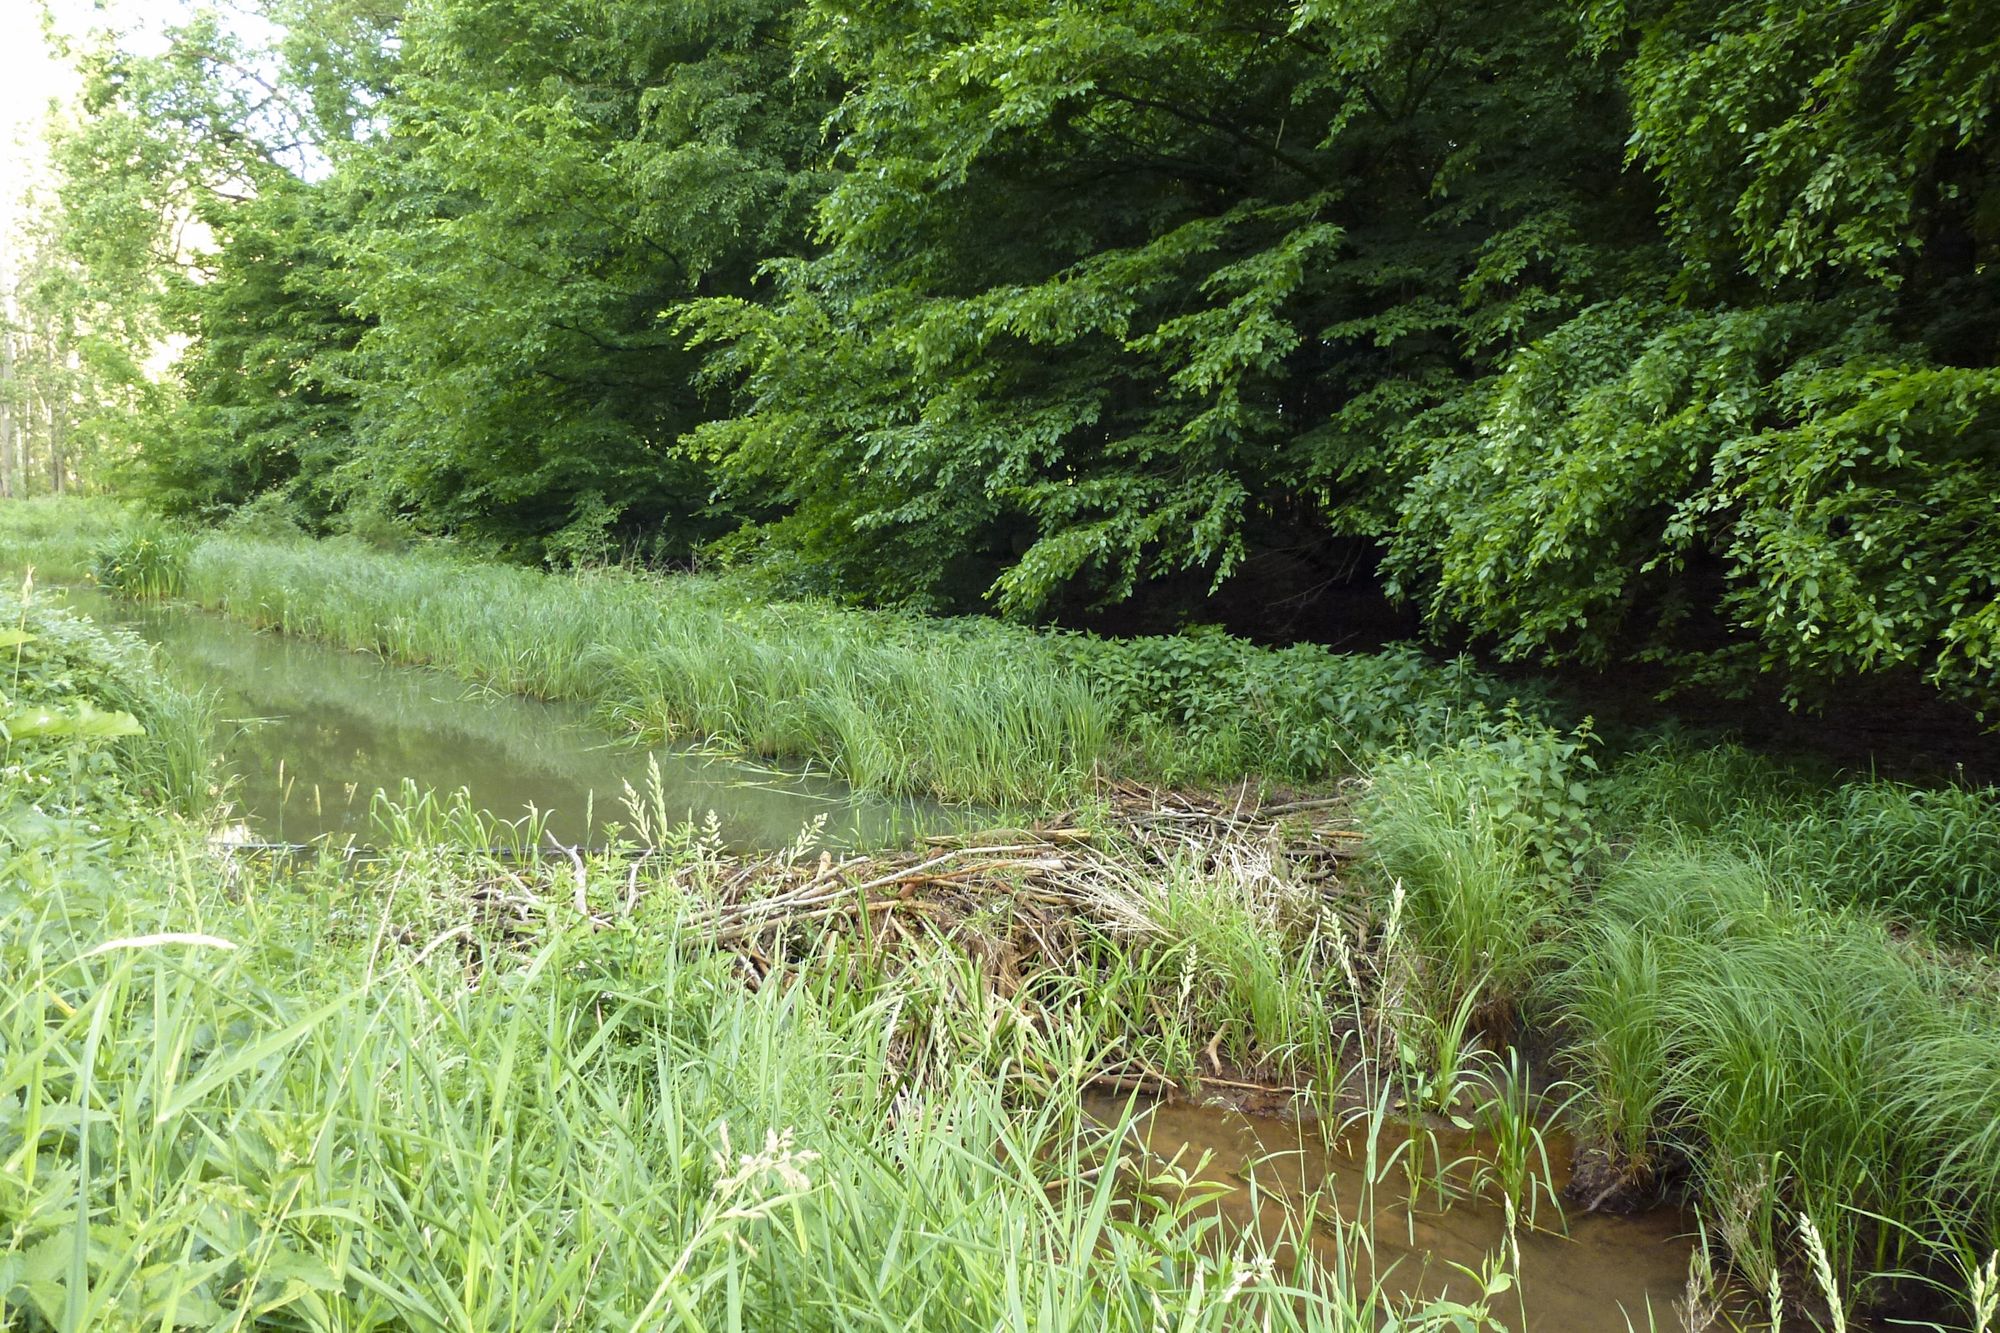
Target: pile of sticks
x: 1038, y: 878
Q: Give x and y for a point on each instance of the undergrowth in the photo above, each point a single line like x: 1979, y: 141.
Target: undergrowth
x: 968, y: 709
x: 430, y: 1090
x: 60, y: 536
x: 1774, y: 988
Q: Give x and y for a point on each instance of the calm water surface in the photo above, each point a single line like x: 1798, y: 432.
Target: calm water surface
x: 313, y: 732
x: 1587, y: 1273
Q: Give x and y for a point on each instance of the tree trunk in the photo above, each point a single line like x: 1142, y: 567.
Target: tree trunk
x: 6, y: 415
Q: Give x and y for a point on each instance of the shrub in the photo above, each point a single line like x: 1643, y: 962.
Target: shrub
x: 149, y: 563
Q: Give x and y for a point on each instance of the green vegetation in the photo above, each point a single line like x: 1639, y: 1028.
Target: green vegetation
x: 60, y: 539
x: 1706, y: 933
x: 1662, y: 329
x: 1660, y: 335
x: 433, y: 1091
x: 1799, y: 1059
x: 149, y: 563
x: 966, y: 709
x: 601, y: 1131
x: 977, y: 712
x: 1928, y: 856
x: 1740, y: 962
x: 62, y: 682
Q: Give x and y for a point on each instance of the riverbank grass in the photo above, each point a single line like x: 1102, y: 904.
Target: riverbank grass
x: 1776, y: 990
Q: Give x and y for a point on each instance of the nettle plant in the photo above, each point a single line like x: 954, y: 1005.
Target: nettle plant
x: 85, y: 717
x: 1304, y: 713
x: 1487, y: 837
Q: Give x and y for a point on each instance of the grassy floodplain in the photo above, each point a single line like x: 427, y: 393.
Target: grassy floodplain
x: 1774, y: 994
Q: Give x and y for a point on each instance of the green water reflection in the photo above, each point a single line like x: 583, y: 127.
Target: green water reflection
x: 322, y: 729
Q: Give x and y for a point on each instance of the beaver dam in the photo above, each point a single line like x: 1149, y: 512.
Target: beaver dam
x: 1343, y: 1059
x: 1411, y: 1204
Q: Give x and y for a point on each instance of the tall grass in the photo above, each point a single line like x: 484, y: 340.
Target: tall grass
x: 1927, y: 856
x: 148, y: 562
x: 1797, y: 1059
x: 60, y: 535
x: 969, y: 711
x: 1715, y: 939
x: 1483, y: 838
x: 310, y: 1100
x: 1220, y: 954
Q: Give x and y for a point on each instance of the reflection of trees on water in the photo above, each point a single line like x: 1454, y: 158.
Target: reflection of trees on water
x: 347, y: 724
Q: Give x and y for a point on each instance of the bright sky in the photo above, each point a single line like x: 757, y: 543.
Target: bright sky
x: 29, y: 78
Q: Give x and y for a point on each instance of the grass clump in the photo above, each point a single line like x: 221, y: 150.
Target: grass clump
x: 148, y: 562
x: 1214, y: 953
x: 1795, y: 1059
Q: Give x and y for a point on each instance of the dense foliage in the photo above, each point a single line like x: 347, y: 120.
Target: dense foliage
x: 1647, y: 329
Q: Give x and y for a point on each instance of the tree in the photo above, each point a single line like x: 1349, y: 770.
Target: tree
x: 1116, y: 291
x: 1784, y: 460
x: 72, y: 376
x: 553, y: 183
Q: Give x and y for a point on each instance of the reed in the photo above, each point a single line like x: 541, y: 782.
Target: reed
x: 975, y: 712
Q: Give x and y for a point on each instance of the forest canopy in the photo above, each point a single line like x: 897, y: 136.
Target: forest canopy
x: 1664, y: 331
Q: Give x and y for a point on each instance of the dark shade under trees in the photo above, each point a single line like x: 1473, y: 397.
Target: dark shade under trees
x: 1660, y: 331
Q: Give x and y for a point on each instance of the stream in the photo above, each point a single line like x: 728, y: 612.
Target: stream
x: 311, y: 732
x: 1577, y: 1273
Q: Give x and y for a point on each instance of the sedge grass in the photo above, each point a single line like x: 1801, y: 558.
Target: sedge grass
x: 976, y: 713
x: 309, y: 1101
x: 1797, y: 1058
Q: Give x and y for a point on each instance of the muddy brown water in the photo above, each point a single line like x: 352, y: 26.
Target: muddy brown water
x: 1589, y: 1273
x: 312, y: 732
